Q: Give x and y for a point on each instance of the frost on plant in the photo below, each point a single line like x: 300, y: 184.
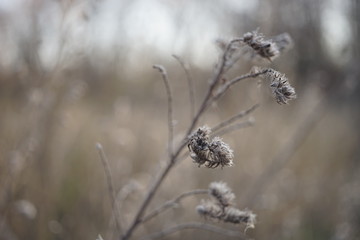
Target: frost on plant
x: 280, y: 86
x: 264, y: 48
x: 269, y: 49
x: 220, y: 206
x: 222, y: 193
x: 209, y: 152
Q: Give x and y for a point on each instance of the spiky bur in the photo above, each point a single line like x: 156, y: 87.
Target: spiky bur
x: 209, y: 152
x: 280, y: 86
x: 264, y: 48
x: 220, y: 206
x: 221, y: 153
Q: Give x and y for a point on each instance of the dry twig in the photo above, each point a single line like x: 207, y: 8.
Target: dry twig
x: 190, y: 85
x: 195, y: 225
x: 164, y: 75
x: 234, y: 118
x: 111, y: 188
x: 172, y: 203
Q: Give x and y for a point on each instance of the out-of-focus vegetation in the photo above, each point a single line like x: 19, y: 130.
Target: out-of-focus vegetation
x: 73, y: 73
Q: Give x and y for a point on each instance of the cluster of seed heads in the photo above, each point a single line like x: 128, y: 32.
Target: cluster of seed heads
x: 209, y: 152
x: 220, y: 206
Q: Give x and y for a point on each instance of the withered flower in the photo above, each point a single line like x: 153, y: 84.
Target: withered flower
x: 211, y: 153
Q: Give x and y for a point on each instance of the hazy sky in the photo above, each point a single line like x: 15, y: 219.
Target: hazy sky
x: 160, y: 26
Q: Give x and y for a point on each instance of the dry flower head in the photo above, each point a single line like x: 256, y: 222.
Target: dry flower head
x: 264, y: 48
x: 220, y: 207
x: 209, y: 152
x: 280, y: 86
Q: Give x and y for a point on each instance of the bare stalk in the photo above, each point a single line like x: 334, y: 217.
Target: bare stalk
x: 164, y: 75
x: 110, y: 184
x: 190, y: 85
x: 220, y: 70
x: 195, y: 225
x: 234, y: 118
x: 227, y: 85
x: 172, y: 203
x: 173, y: 157
x: 234, y: 127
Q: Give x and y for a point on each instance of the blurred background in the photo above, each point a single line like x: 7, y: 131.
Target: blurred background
x: 74, y: 73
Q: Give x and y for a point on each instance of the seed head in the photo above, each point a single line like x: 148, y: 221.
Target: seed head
x: 220, y: 206
x: 221, y: 153
x: 222, y: 193
x: 264, y: 48
x: 211, y: 153
x: 281, y: 88
x: 236, y: 216
x: 199, y: 145
x: 209, y: 209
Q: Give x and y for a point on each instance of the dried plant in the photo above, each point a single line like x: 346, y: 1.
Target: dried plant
x: 204, y: 144
x: 211, y: 153
x: 265, y: 48
x: 221, y: 206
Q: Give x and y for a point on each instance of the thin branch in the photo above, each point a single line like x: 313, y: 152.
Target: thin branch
x: 157, y: 182
x: 220, y: 70
x: 195, y: 225
x: 164, y: 75
x: 234, y: 118
x: 234, y: 127
x: 172, y: 203
x: 227, y: 85
x: 110, y: 183
x: 190, y: 85
x: 121, y: 197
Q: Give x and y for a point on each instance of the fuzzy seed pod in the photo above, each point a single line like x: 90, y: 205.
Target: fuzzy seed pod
x: 209, y: 209
x: 221, y: 153
x: 281, y: 88
x: 222, y: 193
x: 220, y: 206
x: 211, y: 153
x: 236, y: 216
x: 264, y: 48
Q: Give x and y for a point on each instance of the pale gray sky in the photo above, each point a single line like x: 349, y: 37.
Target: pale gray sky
x: 141, y: 25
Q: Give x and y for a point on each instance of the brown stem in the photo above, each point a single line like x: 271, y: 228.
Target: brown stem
x: 150, y: 194
x: 234, y: 118
x: 172, y: 203
x: 195, y: 225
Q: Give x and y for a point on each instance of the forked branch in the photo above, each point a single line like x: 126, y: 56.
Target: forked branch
x: 195, y: 225
x: 172, y: 203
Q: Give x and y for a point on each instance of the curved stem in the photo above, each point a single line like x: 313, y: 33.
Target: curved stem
x: 195, y: 225
x: 172, y: 203
x: 173, y: 157
x: 170, y: 109
x: 234, y: 118
x: 190, y: 85
x: 111, y: 189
